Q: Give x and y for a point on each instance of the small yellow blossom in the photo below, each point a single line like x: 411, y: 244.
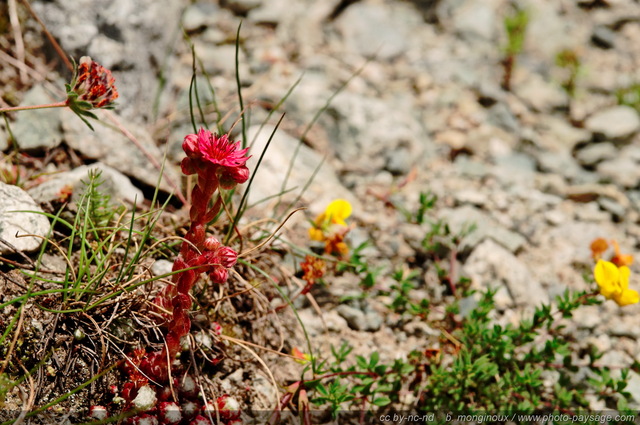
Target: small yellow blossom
x: 331, y: 222
x: 316, y: 234
x: 614, y: 283
x: 337, y: 211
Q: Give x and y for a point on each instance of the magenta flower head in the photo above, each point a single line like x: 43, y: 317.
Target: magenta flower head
x: 210, y: 155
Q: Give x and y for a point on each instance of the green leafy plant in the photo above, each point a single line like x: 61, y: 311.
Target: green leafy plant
x: 630, y: 96
x: 401, y: 297
x: 569, y: 61
x: 515, y: 25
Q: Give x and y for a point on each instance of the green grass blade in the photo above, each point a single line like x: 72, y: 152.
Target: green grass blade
x: 239, y: 88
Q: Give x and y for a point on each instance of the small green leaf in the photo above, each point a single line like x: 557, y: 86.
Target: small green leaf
x: 380, y: 370
x: 381, y: 401
x: 361, y: 362
x: 375, y: 357
x: 323, y: 390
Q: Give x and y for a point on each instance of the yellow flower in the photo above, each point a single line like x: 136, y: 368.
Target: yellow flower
x: 316, y: 234
x: 337, y: 211
x: 614, y: 283
x: 334, y: 215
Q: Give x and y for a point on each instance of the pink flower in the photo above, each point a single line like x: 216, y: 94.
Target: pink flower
x: 220, y: 150
x: 219, y: 275
x: 211, y: 155
x: 211, y: 243
x: 227, y: 256
x: 229, y: 177
x: 92, y: 84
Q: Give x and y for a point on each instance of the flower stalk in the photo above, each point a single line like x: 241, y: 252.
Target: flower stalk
x: 26, y: 108
x: 218, y: 163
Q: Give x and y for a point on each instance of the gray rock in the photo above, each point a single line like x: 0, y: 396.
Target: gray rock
x: 264, y: 389
x: 376, y: 30
x: 615, y: 123
x: 460, y: 219
x: 420, y: 329
x: 115, y: 185
x: 475, y: 18
x: 470, y: 168
x: 470, y: 196
x: 221, y: 59
x: 570, y: 241
x: 399, y: 161
x: 516, y: 168
x: 555, y: 217
x: 110, y: 54
x: 273, y: 171
x: 616, y: 359
x: 539, y: 94
x: 626, y: 328
x: 603, y: 36
x: 213, y: 36
x: 622, y: 171
x: 161, y: 266
x: 313, y: 323
x: 549, y: 31
x: 595, y: 153
x: 357, y: 141
x: 591, y: 211
x: 490, y: 263
x: 359, y: 320
x: 308, y: 97
x: 564, y: 164
x: 501, y: 116
x: 617, y: 210
x: 242, y: 7
x: 79, y: 35
x: 199, y: 15
x: 588, y: 316
x: 557, y: 135
x: 116, y: 150
x: 467, y: 305
x: 633, y: 386
x: 38, y: 129
x: 20, y: 215
x: 634, y: 198
x: 271, y: 12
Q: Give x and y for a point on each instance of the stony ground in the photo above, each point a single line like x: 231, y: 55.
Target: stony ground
x: 541, y: 173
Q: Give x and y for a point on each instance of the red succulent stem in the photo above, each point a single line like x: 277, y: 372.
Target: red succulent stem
x: 218, y: 163
x: 190, y: 256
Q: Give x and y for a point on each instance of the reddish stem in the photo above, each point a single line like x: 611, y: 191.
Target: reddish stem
x: 26, y: 108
